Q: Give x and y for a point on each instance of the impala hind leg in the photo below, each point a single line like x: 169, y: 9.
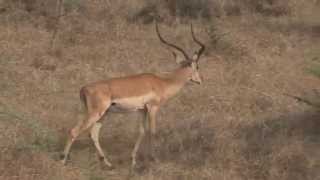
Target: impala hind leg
x: 71, y: 138
x: 95, y: 130
x: 75, y: 132
x: 96, y: 109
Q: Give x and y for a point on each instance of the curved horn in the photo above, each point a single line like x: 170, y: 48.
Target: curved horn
x: 169, y: 44
x: 202, y: 47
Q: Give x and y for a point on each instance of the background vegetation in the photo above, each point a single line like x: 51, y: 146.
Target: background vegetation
x: 240, y: 124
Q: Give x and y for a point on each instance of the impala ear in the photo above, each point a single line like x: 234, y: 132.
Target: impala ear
x: 178, y: 58
x: 195, y: 56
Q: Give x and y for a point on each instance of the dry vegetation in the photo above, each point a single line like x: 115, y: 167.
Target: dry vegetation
x: 238, y: 125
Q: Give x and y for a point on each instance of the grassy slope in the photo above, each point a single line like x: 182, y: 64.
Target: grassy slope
x: 237, y: 125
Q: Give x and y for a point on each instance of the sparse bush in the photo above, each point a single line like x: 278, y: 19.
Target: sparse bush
x: 70, y: 5
x: 268, y: 7
x: 232, y: 8
x: 176, y: 8
x: 146, y: 14
x: 190, y: 8
x: 44, y: 8
x: 221, y: 43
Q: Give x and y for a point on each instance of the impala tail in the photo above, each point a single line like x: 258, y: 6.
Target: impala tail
x: 83, y: 97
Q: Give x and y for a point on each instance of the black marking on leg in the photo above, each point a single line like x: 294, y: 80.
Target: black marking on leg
x: 62, y: 156
x: 101, y: 158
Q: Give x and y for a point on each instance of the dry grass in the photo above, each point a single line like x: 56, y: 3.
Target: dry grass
x: 237, y: 125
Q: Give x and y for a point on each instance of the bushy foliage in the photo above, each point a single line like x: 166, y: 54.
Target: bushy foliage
x: 189, y: 8
x: 175, y: 8
x: 268, y: 7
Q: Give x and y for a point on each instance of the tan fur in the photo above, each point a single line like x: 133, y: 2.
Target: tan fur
x: 134, y: 92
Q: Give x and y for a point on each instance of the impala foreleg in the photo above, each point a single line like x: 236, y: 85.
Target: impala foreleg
x: 142, y: 127
x: 71, y: 138
x: 152, y: 111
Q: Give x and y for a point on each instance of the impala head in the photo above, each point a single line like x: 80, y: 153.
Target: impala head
x: 193, y: 62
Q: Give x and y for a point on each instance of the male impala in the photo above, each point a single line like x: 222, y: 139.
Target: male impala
x: 145, y: 92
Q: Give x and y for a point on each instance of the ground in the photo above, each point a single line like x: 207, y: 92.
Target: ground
x: 239, y: 124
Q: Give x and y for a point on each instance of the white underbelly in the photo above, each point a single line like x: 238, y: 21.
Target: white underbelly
x: 133, y: 103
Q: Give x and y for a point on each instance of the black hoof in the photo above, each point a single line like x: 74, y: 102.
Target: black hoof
x: 110, y: 168
x: 139, y: 168
x: 101, y: 158
x: 106, y: 167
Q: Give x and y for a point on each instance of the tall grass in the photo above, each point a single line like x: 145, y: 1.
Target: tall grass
x: 37, y: 137
x: 237, y: 125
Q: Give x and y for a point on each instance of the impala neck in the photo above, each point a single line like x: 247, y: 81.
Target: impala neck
x: 177, y: 79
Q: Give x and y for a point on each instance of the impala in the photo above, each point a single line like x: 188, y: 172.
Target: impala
x: 145, y: 92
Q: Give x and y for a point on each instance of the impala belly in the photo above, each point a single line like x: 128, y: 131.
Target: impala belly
x: 132, y: 103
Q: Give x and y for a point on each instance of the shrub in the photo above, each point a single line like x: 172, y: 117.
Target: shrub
x: 45, y: 8
x: 146, y: 14
x: 175, y: 8
x: 268, y: 7
x: 189, y: 8
x: 70, y: 5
